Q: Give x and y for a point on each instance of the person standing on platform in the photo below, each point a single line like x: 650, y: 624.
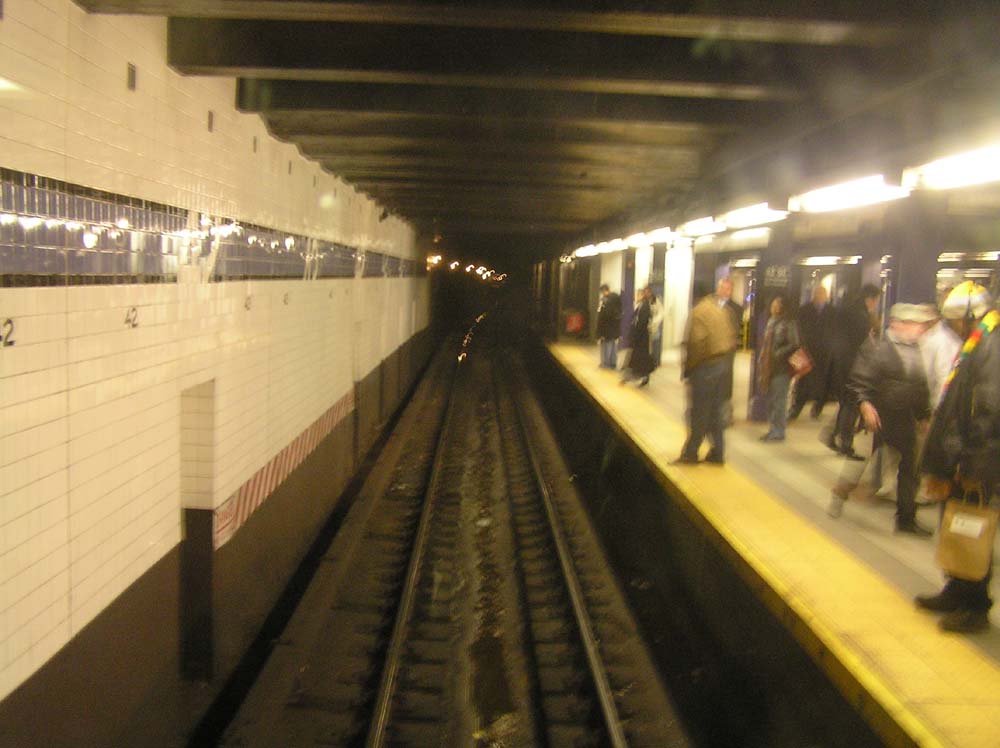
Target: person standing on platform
x: 814, y: 326
x: 939, y: 346
x: 781, y: 340
x: 962, y: 452
x: 656, y: 315
x: 640, y: 358
x: 609, y: 323
x: 854, y: 323
x: 890, y: 387
x: 709, y: 341
x: 736, y: 312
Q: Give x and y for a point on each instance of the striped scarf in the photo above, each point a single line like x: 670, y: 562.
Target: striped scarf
x: 985, y: 327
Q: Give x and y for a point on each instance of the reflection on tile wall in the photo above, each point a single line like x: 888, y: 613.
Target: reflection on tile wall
x: 56, y: 233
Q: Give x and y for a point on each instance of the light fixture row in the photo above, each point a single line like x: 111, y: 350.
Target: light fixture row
x: 980, y: 166
x: 487, y: 274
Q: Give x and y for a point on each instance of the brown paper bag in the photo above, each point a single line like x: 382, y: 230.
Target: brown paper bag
x: 965, y: 543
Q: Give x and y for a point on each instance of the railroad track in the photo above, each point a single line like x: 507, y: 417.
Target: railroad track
x: 473, y: 606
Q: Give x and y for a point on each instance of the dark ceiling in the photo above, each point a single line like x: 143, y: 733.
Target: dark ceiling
x: 536, y: 126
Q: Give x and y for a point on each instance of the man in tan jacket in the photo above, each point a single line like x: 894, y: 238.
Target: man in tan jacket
x: 709, y: 339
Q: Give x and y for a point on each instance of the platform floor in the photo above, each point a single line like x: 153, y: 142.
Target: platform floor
x: 844, y: 586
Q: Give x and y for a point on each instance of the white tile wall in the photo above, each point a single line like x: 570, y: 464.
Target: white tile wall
x: 91, y: 458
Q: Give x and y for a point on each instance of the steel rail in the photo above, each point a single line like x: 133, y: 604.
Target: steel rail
x: 598, y: 672
x: 387, y: 683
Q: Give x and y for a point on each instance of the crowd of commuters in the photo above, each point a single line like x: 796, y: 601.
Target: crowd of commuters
x: 927, y: 389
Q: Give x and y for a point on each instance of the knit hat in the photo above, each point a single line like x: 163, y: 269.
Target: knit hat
x: 967, y: 299
x: 909, y: 313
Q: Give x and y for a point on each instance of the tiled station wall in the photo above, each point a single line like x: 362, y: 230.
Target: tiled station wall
x: 163, y: 370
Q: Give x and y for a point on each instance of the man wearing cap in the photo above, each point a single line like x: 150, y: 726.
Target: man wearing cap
x: 890, y: 387
x: 962, y: 453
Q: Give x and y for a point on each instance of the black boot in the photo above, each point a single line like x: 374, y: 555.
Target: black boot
x: 942, y: 602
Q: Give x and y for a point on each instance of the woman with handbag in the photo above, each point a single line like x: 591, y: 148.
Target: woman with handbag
x: 962, y: 456
x: 774, y: 376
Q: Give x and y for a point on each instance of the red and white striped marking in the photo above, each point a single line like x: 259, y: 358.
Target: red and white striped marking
x: 236, y: 510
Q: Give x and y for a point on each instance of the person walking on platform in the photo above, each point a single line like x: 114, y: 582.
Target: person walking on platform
x: 640, y: 358
x: 854, y: 323
x: 709, y: 340
x: 815, y: 320
x: 609, y: 323
x: 962, y: 451
x: 890, y: 387
x: 781, y: 340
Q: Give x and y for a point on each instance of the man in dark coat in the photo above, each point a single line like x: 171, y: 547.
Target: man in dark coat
x: 962, y: 454
x: 815, y: 321
x: 890, y: 385
x: 854, y: 323
x: 609, y: 322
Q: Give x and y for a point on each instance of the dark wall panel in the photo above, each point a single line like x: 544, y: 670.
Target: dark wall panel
x: 389, y: 386
x: 96, y: 683
x: 367, y: 411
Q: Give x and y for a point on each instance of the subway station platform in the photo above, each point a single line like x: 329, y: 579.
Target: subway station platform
x: 843, y: 587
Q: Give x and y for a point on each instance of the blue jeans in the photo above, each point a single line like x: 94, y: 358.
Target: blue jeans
x: 609, y: 353
x: 777, y: 411
x: 707, y: 398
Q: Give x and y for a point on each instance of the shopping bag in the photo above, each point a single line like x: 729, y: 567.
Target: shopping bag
x: 965, y: 542
x: 800, y: 363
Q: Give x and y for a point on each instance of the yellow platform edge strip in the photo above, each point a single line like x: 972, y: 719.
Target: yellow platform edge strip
x: 874, y: 699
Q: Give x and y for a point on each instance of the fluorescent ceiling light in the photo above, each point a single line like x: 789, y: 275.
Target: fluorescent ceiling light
x: 660, y: 235
x: 589, y: 251
x: 638, y: 240
x: 820, y: 260
x: 746, y: 262
x: 702, y: 226
x: 969, y: 256
x: 704, y: 240
x: 853, y: 194
x: 975, y: 167
x: 753, y: 215
x: 761, y: 235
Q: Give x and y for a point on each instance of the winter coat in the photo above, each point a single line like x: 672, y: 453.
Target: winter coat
x: 880, y: 377
x: 850, y: 327
x: 815, y: 328
x: 710, y: 334
x: 609, y: 317
x: 965, y: 432
x: 784, y: 342
x: 640, y: 360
